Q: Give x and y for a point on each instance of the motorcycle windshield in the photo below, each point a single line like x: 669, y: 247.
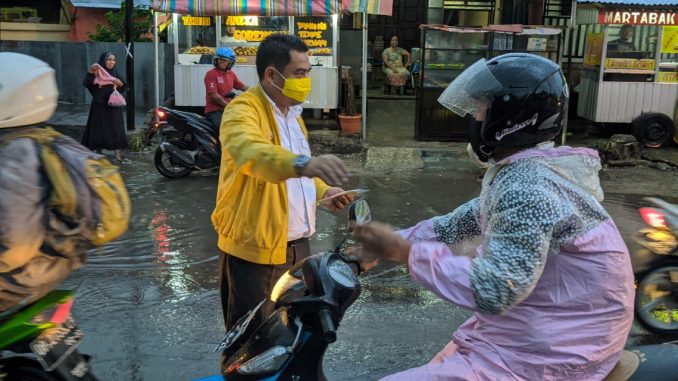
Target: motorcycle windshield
x: 285, y: 283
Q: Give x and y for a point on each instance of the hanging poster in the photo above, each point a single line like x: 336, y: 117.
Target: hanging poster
x: 670, y: 39
x: 594, y: 49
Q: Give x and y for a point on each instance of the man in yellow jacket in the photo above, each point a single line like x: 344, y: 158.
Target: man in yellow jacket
x: 269, y: 183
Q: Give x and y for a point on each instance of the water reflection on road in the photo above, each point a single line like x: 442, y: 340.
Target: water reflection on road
x: 149, y: 306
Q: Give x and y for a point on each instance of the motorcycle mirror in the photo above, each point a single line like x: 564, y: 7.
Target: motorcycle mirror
x: 359, y: 213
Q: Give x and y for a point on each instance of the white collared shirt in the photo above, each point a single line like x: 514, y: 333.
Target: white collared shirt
x: 300, y: 190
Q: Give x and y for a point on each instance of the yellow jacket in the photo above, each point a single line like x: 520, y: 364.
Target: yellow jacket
x: 251, y: 209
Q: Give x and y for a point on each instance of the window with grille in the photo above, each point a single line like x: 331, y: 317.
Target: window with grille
x: 470, y: 5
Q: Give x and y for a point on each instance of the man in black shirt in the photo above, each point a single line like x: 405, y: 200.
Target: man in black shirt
x: 623, y: 47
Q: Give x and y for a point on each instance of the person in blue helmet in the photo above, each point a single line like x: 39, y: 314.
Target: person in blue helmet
x: 219, y: 84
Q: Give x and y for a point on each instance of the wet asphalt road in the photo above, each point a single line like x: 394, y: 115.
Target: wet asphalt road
x: 149, y: 304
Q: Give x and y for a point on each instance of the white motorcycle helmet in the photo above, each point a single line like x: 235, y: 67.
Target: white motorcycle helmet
x: 28, y: 90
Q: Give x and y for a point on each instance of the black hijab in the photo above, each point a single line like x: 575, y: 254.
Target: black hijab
x: 102, y: 62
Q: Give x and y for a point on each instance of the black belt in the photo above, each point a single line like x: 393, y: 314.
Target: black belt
x: 296, y: 242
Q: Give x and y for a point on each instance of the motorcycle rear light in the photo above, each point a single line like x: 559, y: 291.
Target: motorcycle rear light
x: 161, y: 114
x: 56, y: 314
x: 62, y: 313
x: 653, y: 217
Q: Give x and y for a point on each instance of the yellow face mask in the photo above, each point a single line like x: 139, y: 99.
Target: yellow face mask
x: 295, y: 88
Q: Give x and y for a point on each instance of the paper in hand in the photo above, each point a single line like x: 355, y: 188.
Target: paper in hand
x: 354, y: 193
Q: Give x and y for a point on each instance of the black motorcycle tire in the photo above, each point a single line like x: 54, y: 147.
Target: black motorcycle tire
x: 642, y: 279
x: 160, y: 164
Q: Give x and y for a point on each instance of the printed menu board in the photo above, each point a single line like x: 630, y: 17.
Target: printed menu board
x: 317, y: 33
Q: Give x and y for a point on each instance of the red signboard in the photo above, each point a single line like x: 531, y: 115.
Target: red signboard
x: 664, y: 17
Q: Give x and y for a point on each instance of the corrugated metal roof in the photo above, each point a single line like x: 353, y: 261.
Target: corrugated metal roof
x: 634, y: 2
x: 108, y: 4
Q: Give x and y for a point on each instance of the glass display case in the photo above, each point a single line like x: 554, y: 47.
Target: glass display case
x: 545, y: 42
x: 628, y: 57
x: 244, y: 33
x: 196, y: 39
x: 445, y: 55
x: 448, y: 51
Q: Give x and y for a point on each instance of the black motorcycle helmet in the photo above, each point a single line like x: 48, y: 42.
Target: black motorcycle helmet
x: 525, y: 96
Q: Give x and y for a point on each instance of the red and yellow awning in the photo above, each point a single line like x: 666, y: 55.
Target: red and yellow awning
x: 272, y: 7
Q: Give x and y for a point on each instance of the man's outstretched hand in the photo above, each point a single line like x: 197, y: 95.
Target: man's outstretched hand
x: 329, y: 168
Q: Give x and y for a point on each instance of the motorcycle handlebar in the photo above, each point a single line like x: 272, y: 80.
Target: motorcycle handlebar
x: 327, y: 325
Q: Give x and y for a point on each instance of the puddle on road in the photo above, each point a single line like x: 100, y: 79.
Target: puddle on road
x: 152, y: 295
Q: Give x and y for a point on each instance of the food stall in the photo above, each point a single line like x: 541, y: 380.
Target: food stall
x: 448, y: 51
x: 197, y: 32
x: 630, y: 68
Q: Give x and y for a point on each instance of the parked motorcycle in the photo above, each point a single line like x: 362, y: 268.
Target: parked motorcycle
x: 39, y: 341
x: 656, y: 268
x: 310, y: 301
x: 188, y: 142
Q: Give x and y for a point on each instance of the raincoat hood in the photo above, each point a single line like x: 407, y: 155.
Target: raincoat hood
x: 577, y: 165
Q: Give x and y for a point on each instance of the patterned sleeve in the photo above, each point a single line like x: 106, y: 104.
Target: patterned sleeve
x: 461, y: 224
x: 516, y: 246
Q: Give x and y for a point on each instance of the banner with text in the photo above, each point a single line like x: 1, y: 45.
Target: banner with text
x: 663, y: 17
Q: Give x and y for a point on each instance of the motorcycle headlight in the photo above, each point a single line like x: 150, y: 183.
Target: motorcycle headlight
x: 267, y: 362
x: 283, y: 284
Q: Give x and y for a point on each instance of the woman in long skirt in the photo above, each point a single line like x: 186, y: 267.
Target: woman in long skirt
x: 105, y: 126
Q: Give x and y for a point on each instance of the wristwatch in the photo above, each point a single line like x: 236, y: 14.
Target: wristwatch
x: 300, y: 162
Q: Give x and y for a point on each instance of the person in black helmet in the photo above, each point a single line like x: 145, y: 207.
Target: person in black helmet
x: 551, y: 285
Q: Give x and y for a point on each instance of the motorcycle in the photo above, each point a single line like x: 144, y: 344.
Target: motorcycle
x: 310, y: 301
x: 656, y: 268
x: 39, y: 341
x: 192, y: 144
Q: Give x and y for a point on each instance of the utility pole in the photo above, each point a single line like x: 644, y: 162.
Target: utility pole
x: 129, y: 54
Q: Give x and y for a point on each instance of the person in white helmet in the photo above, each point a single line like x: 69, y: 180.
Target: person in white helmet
x: 39, y: 245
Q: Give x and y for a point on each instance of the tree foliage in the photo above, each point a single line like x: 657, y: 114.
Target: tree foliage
x: 115, y: 30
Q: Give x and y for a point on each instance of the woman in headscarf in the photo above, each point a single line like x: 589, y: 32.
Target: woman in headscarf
x: 105, y: 127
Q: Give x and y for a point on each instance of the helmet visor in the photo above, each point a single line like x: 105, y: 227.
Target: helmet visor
x: 471, y: 91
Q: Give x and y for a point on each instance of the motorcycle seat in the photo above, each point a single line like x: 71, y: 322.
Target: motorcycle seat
x: 647, y: 362
x: 627, y: 365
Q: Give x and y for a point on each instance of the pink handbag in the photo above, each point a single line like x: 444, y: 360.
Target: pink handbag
x: 116, y: 99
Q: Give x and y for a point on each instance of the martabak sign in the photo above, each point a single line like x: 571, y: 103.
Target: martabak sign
x: 664, y: 17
